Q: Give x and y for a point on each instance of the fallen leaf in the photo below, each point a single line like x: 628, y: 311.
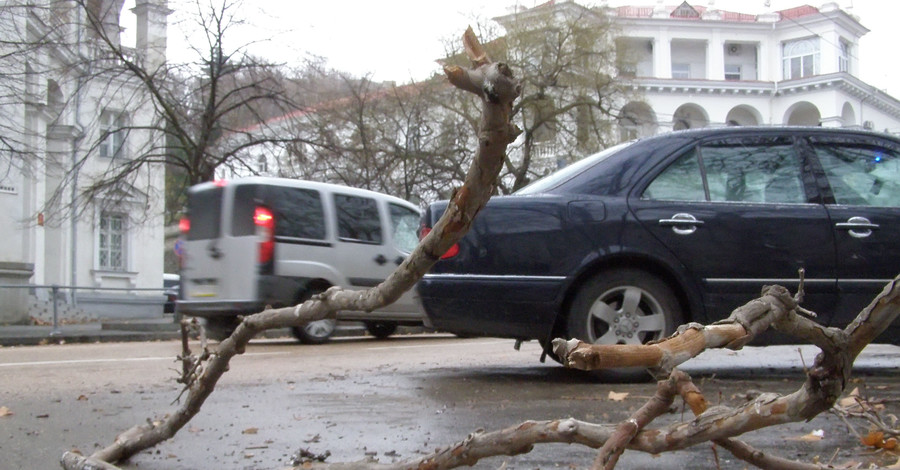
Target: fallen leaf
x: 873, y: 439
x: 814, y: 436
x: 250, y: 431
x: 4, y: 411
x: 614, y: 396
x: 82, y: 398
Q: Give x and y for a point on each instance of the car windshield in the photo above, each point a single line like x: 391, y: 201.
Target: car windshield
x: 557, y: 177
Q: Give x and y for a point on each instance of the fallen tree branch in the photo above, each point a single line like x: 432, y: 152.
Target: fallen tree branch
x: 497, y: 88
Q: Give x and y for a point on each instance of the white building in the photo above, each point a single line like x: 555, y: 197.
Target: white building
x: 698, y: 66
x: 63, y: 107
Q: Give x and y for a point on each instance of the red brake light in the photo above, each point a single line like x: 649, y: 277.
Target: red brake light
x: 453, y: 251
x: 184, y: 225
x: 265, y: 229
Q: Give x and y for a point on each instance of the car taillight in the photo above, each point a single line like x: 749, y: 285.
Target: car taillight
x: 265, y: 230
x: 453, y: 251
x: 184, y: 225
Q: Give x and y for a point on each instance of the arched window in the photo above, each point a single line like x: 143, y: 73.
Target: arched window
x: 800, y: 58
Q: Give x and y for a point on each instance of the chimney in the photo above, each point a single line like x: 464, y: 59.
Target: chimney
x: 151, y: 30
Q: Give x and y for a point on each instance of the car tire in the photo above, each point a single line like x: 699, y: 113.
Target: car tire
x: 381, y: 329
x: 314, y: 332
x: 625, y: 306
x: 217, y: 329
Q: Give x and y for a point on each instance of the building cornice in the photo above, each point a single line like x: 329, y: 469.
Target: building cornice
x: 843, y: 82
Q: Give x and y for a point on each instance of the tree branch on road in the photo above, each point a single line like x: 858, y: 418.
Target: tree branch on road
x: 497, y: 88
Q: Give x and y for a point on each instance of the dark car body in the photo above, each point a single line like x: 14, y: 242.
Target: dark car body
x: 697, y: 220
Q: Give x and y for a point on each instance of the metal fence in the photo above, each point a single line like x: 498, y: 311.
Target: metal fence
x: 55, y: 290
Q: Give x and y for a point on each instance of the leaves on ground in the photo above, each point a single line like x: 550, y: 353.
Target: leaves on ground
x: 876, y: 439
x: 4, y: 411
x: 814, y: 436
x: 250, y: 431
x: 615, y: 396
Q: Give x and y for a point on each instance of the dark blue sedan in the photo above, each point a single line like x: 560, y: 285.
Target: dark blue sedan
x: 625, y: 245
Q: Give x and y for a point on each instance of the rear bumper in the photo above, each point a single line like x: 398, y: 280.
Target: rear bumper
x: 521, y: 307
x: 218, y: 308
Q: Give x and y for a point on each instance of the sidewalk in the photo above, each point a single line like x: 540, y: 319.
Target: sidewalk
x: 106, y: 331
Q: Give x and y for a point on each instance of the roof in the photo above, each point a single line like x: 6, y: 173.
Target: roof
x: 683, y: 10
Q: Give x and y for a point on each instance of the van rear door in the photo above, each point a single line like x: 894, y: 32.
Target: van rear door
x: 219, y: 266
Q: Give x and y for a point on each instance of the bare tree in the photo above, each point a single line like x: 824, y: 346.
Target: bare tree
x: 497, y: 89
x: 413, y: 140
x: 571, y: 94
x: 190, y: 116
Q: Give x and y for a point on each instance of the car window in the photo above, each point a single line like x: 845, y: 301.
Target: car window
x: 358, y: 219
x: 861, y: 175
x: 556, y: 178
x: 681, y: 181
x: 204, y: 211
x: 767, y: 172
x: 298, y: 212
x: 404, y: 223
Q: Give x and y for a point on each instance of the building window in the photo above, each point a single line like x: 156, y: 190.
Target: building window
x: 732, y: 72
x: 111, y: 241
x: 113, y: 132
x: 262, y: 164
x: 844, y: 57
x: 801, y: 58
x: 681, y: 70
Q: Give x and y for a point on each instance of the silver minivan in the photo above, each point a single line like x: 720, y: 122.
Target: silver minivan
x: 255, y: 242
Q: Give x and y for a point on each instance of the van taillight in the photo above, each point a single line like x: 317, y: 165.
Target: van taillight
x: 184, y: 225
x: 453, y: 251
x: 265, y: 230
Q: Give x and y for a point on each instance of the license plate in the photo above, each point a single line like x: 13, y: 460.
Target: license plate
x: 204, y: 288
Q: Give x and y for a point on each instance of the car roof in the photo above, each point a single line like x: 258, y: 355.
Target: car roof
x: 324, y: 187
x: 757, y: 130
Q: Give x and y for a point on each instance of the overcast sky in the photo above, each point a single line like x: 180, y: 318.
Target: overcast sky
x: 400, y: 39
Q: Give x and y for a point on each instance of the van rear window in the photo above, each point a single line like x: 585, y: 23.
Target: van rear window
x: 298, y: 212
x: 204, y: 212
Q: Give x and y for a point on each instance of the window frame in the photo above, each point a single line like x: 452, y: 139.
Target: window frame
x: 681, y: 70
x: 732, y: 75
x: 341, y: 217
x: 105, y: 218
x: 114, y: 143
x: 802, y: 51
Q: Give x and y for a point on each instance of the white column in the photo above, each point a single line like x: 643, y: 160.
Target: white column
x: 662, y: 55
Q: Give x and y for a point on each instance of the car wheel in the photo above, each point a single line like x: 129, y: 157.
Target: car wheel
x: 623, y: 307
x: 314, y: 332
x: 381, y: 329
x: 218, y: 329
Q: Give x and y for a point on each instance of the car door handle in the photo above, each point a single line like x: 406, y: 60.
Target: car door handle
x: 381, y: 259
x: 857, y: 227
x: 399, y: 260
x: 682, y: 223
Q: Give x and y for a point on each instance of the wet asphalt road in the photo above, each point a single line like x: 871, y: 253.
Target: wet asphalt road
x: 390, y: 400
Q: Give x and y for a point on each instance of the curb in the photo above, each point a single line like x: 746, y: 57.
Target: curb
x: 154, y: 329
